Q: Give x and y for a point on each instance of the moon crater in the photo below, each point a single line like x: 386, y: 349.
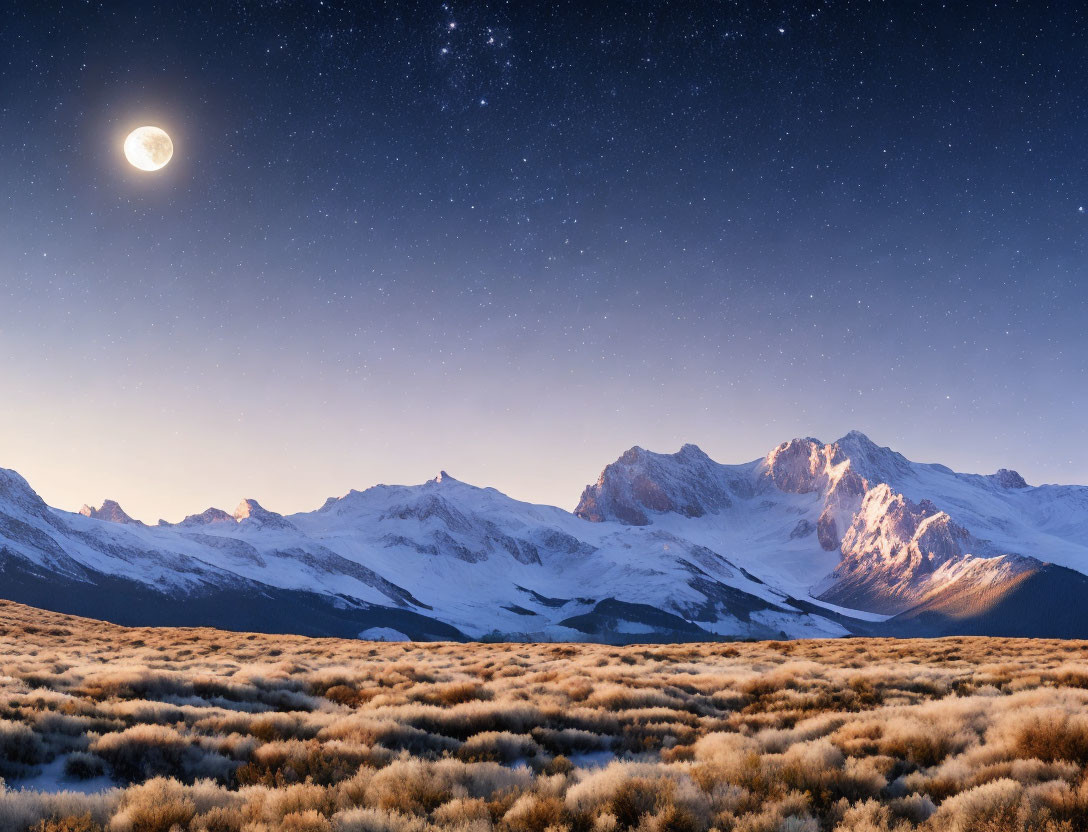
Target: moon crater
x: 148, y: 148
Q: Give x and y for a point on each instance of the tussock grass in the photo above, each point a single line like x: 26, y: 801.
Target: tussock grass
x: 210, y: 731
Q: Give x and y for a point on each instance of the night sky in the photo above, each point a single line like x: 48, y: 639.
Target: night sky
x: 513, y: 239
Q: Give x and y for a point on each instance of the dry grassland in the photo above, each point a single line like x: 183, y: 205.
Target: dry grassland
x: 227, y: 732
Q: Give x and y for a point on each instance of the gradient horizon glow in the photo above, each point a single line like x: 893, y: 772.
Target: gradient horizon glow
x: 512, y: 240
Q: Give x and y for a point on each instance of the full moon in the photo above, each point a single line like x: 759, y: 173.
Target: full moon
x: 148, y: 148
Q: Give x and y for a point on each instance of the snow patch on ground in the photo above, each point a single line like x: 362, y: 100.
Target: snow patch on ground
x: 53, y: 780
x: 383, y: 634
x: 859, y: 614
x: 593, y: 759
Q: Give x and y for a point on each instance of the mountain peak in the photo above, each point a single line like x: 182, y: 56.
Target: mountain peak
x: 856, y: 437
x: 249, y: 508
x: 807, y: 466
x: 877, y: 463
x: 252, y: 512
x: 804, y: 465
x: 1007, y: 478
x: 640, y: 481
x: 691, y: 451
x: 441, y: 558
x: 208, y: 516
x: 857, y: 444
x: 15, y: 489
x: 110, y: 512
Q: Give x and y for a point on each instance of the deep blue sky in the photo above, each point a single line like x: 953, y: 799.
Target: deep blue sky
x: 513, y: 239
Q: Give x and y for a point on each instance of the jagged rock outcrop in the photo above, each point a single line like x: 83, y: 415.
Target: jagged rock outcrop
x: 110, y: 512
x: 251, y: 512
x: 897, y: 552
x: 891, y: 531
x: 1007, y: 478
x: 207, y: 517
x: 807, y: 466
x: 804, y: 528
x: 641, y: 483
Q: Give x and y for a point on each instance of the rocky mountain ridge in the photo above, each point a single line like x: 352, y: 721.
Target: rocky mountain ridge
x: 813, y: 539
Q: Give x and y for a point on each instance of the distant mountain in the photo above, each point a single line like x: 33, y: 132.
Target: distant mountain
x: 813, y: 539
x: 110, y: 511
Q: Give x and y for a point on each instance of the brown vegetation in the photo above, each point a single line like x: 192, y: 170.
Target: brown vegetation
x: 210, y: 731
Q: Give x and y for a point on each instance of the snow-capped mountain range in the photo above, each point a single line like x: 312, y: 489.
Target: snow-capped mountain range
x: 811, y: 540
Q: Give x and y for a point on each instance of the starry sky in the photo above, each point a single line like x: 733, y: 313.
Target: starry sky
x: 513, y: 239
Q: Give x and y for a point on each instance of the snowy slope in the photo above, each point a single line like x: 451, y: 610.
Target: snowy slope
x: 860, y: 526
x: 813, y: 539
x: 493, y: 564
x: 467, y: 557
